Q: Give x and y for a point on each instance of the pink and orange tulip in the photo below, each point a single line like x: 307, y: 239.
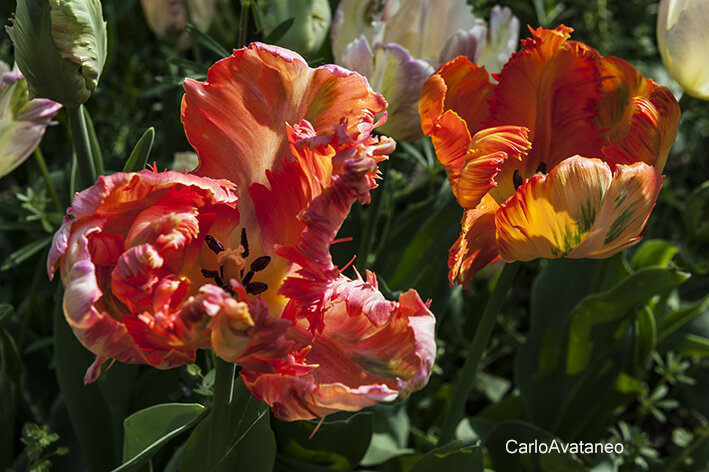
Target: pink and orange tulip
x: 560, y: 156
x: 157, y: 265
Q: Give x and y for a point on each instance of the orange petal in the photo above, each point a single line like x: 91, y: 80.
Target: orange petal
x: 476, y: 246
x: 236, y: 119
x: 128, y: 258
x: 580, y: 209
x: 454, y: 101
x: 461, y: 86
x: 491, y: 147
x: 640, y: 117
x: 371, y: 350
x: 549, y: 86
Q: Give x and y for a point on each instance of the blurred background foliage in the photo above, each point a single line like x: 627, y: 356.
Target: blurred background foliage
x: 624, y: 358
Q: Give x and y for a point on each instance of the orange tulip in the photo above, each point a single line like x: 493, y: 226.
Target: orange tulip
x: 158, y: 265
x: 560, y: 157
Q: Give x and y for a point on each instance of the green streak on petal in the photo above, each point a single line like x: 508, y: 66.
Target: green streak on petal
x: 619, y: 224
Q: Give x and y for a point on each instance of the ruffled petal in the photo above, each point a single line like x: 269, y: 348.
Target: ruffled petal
x: 241, y: 110
x: 624, y: 211
x: 490, y: 149
x: 357, y: 167
x: 237, y: 119
x: 580, y: 209
x: 453, y: 101
x: 361, y: 348
x: 371, y: 350
x: 130, y: 253
x: 461, y: 86
x: 476, y: 246
x: 550, y: 86
x: 640, y: 118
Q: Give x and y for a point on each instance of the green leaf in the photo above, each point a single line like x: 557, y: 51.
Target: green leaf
x: 139, y: 157
x: 675, y: 320
x: 252, y: 444
x: 338, y: 445
x: 390, y: 434
x: 605, y: 310
x: 207, y: 41
x: 511, y: 435
x: 576, y: 349
x: 415, y: 261
x: 25, y: 253
x: 645, y: 337
x: 146, y: 431
x: 93, y: 142
x: 5, y: 309
x: 10, y: 383
x: 654, y: 253
x: 279, y: 31
x: 89, y: 413
x: 688, y: 345
x: 452, y: 456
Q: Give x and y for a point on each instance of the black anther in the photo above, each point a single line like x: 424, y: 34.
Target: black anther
x: 244, y: 243
x: 210, y: 274
x: 255, y: 288
x: 213, y: 244
x: 517, y: 179
x: 542, y: 168
x: 249, y: 276
x: 260, y: 263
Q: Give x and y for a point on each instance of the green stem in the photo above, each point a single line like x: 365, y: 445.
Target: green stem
x: 243, y: 22
x: 188, y: 16
x: 470, y: 368
x: 370, y: 225
x: 82, y: 147
x: 47, y: 181
x: 219, y: 427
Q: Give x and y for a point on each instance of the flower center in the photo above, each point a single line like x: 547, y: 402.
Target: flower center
x: 238, y: 257
x: 518, y: 180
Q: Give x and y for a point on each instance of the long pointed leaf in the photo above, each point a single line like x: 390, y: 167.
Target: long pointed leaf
x: 139, y: 157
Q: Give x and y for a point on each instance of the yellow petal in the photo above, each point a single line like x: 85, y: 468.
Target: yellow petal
x: 579, y: 210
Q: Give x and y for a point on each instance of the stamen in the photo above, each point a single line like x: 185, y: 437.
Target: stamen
x: 249, y: 276
x: 517, y: 179
x: 210, y: 274
x: 260, y: 263
x: 255, y: 288
x: 213, y: 244
x: 542, y: 168
x: 244, y: 243
x: 218, y: 280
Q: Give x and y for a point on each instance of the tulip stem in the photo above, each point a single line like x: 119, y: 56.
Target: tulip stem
x: 47, y: 180
x: 219, y: 428
x: 375, y: 211
x: 82, y: 146
x: 467, y: 376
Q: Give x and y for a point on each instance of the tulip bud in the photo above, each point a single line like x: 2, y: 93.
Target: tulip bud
x: 310, y: 26
x: 683, y: 38
x: 60, y: 47
x: 167, y: 18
